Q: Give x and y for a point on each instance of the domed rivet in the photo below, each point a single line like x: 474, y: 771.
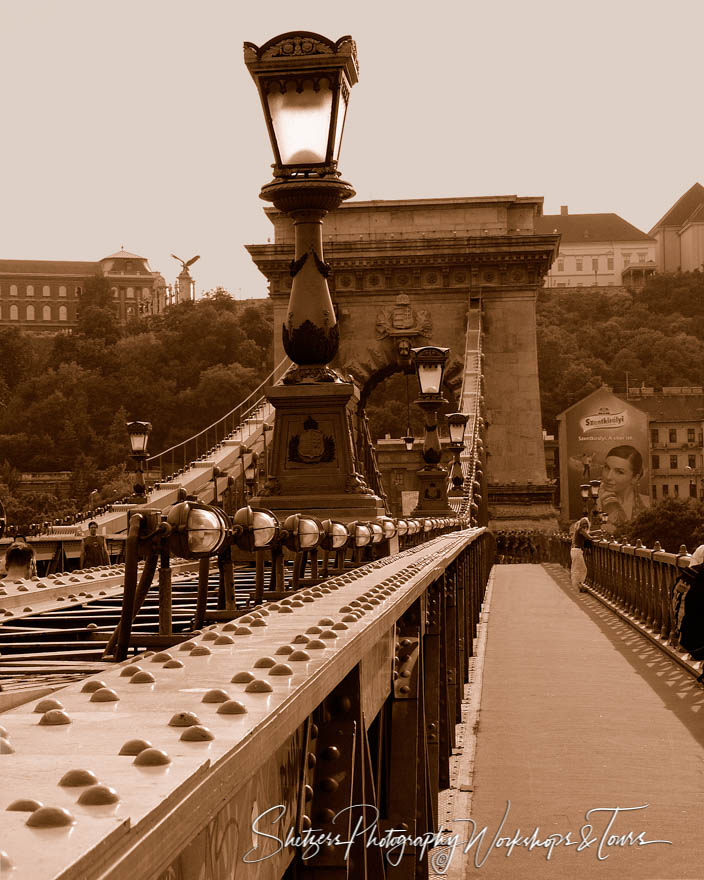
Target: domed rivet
x: 328, y: 635
x: 152, y: 758
x: 350, y: 618
x: 308, y: 792
x: 92, y: 626
x: 55, y: 716
x: 301, y: 640
x: 232, y: 707
x: 315, y: 645
x: 258, y: 622
x: 215, y: 695
x: 197, y: 733
x: 229, y: 627
x: 130, y: 670
x: 281, y: 669
x: 161, y: 657
x: 329, y: 784
x: 340, y: 626
x: 173, y: 664
x: 184, y: 719
x: 4, y: 732
x: 25, y: 805
x: 284, y: 649
x: 345, y: 608
x: 78, y: 777
x: 314, y: 630
x: 224, y: 640
x: 92, y: 685
x: 50, y: 817
x: 104, y: 695
x: 200, y: 651
x: 186, y: 646
x: 264, y: 663
x: 285, y: 610
x: 331, y: 753
x: 246, y: 618
x: 135, y: 746
x: 298, y: 656
x: 148, y: 654
x: 258, y: 687
x: 46, y: 705
x: 405, y: 689
x: 98, y: 795
x: 242, y: 678
x: 243, y: 631
x: 6, y: 747
x: 142, y: 677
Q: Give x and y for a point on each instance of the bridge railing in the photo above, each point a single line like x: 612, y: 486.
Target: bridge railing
x: 255, y: 730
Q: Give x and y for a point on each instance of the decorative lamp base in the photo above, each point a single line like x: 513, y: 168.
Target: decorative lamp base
x: 432, y: 493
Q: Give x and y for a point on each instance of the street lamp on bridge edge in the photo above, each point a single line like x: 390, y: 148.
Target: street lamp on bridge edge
x: 139, y: 439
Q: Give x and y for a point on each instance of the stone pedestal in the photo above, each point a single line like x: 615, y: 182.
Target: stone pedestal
x: 522, y: 506
x: 313, y: 466
x: 432, y: 493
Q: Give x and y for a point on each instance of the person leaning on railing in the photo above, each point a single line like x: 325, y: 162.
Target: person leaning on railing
x: 580, y: 541
x: 688, y: 607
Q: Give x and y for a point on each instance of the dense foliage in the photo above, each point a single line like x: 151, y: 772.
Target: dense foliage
x: 588, y: 337
x: 672, y: 521
x: 64, y: 402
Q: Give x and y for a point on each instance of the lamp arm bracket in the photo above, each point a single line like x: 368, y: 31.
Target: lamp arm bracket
x: 296, y: 265
x: 321, y: 265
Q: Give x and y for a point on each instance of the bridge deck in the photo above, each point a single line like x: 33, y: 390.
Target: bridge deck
x: 578, y: 711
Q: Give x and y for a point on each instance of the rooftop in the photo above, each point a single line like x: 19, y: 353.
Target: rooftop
x: 589, y: 228
x: 683, y: 208
x: 48, y: 267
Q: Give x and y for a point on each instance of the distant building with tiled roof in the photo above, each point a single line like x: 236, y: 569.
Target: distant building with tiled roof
x: 42, y: 295
x: 680, y: 233
x: 595, y: 249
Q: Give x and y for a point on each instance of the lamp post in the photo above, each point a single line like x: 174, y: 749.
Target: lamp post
x: 456, y: 422
x: 139, y: 439
x: 304, y: 82
x: 430, y: 363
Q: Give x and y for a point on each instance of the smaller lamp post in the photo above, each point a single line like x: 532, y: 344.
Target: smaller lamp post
x: 430, y: 363
x: 456, y: 422
x: 139, y: 439
x: 250, y: 476
x: 584, y: 491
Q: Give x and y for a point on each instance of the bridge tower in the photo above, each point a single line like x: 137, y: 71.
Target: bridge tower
x: 418, y: 272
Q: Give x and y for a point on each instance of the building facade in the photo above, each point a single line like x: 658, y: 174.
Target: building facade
x: 679, y: 235
x: 41, y: 296
x: 596, y: 250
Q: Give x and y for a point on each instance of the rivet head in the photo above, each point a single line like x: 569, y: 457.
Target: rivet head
x: 229, y: 627
x: 200, y: 651
x: 173, y: 664
x: 147, y: 654
x: 284, y: 649
x: 6, y: 747
x: 339, y: 626
x: 50, y: 817
x: 326, y: 816
x: 243, y: 631
x: 232, y: 707
x: 350, y: 618
x: 312, y: 760
x: 242, y: 678
x: 197, y: 733
x: 161, y: 657
x: 224, y: 640
x: 345, y: 608
x: 285, y: 610
x: 331, y: 753
x: 314, y: 630
x: 258, y: 686
x: 264, y: 663
x: 308, y: 792
x: 258, y: 622
x: 93, y: 685
x: 50, y: 703
x: 152, y: 758
x: 329, y: 784
x: 328, y: 634
x: 406, y: 673
x: 76, y: 778
x: 104, y: 695
x: 25, y: 805
x: 281, y: 669
x: 305, y: 822
x: 184, y: 719
x: 301, y: 640
x: 326, y: 621
x: 215, y: 695
x: 246, y: 618
x: 142, y: 677
x: 55, y: 716
x: 98, y: 795
x: 130, y: 670
x: 92, y: 626
x: 210, y: 636
x: 299, y: 656
x: 186, y: 646
x: 405, y: 689
x: 135, y: 746
x: 315, y: 645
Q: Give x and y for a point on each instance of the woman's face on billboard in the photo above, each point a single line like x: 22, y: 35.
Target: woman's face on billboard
x: 617, y: 475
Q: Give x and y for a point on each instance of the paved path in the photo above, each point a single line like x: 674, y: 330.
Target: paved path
x: 579, y: 712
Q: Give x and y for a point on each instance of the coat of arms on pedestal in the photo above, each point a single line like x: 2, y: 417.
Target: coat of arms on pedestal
x: 401, y: 323
x: 311, y: 445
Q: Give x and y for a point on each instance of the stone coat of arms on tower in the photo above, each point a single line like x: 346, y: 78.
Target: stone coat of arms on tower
x: 402, y: 323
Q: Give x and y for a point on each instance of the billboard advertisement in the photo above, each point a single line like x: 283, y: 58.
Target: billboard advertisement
x: 605, y: 438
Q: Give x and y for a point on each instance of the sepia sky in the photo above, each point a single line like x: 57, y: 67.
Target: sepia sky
x: 136, y: 122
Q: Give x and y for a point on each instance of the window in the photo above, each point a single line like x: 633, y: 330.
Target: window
x: 610, y: 263
x: 130, y: 292
x: 14, y: 313
x: 46, y: 290
x: 673, y: 462
x: 561, y: 284
x: 62, y: 290
x: 691, y: 461
x: 654, y: 491
x: 30, y: 313
x: 655, y: 461
x: 691, y: 437
x: 673, y: 435
x: 560, y: 265
x: 641, y: 258
x: 626, y: 259
x: 30, y: 290
x: 579, y: 264
x: 595, y: 264
x: 692, y: 489
x: 665, y: 490
x: 654, y: 436
x: 114, y: 292
x: 63, y: 313
x: 676, y: 489
x: 46, y: 313
x: 13, y: 290
x: 78, y: 290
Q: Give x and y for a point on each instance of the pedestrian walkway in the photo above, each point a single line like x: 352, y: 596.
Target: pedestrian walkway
x: 579, y: 712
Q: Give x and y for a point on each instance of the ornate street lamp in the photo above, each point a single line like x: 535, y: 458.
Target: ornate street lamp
x: 456, y: 423
x: 430, y: 361
x: 139, y: 439
x: 304, y: 82
x: 585, y: 491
